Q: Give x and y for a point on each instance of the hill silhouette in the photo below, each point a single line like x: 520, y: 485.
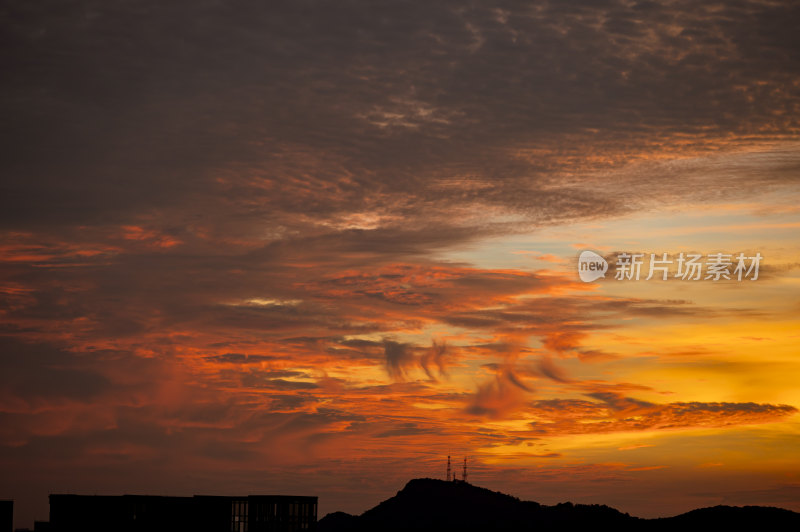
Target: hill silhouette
x: 435, y: 505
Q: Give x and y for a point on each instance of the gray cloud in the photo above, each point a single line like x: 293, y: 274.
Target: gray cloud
x: 270, y: 380
x: 398, y: 358
x: 435, y: 356
x: 42, y: 372
x: 117, y: 110
x: 239, y: 358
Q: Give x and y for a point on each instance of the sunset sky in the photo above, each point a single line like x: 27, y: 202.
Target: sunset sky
x: 315, y: 247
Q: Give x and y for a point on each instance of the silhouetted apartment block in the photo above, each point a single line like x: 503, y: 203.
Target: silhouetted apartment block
x: 6, y: 516
x: 201, y: 513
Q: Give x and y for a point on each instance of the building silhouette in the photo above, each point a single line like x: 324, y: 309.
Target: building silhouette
x: 201, y: 513
x: 6, y: 516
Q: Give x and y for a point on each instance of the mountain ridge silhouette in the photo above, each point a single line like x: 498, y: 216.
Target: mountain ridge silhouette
x: 426, y: 504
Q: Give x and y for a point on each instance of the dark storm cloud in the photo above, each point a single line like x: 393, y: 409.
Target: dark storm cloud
x: 115, y: 110
x: 239, y: 358
x: 398, y: 358
x: 42, y: 372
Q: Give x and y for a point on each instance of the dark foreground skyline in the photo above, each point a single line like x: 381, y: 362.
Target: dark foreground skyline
x: 427, y: 505
x: 424, y: 504
x: 431, y: 505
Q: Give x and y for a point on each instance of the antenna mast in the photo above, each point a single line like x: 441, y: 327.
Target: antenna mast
x: 464, y: 476
x: 448, y: 468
